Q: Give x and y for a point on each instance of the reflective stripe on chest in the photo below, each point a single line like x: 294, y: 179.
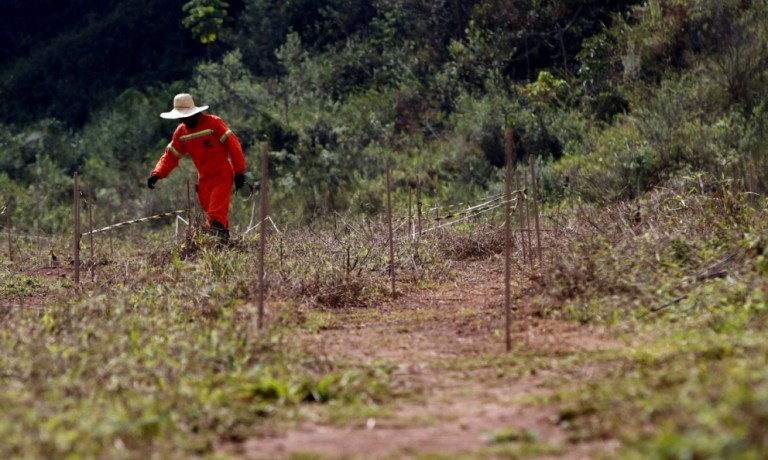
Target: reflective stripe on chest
x: 191, y: 136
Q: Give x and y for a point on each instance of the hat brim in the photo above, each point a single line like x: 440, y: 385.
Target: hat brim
x: 175, y: 114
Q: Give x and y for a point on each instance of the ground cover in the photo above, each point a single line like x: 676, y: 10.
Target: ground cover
x: 633, y: 338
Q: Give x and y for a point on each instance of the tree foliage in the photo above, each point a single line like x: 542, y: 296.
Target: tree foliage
x: 205, y: 18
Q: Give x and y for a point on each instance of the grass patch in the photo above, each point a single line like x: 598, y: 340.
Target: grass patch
x: 158, y: 361
x: 19, y: 286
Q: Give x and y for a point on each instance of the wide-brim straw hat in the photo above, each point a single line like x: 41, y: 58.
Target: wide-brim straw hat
x: 183, y: 107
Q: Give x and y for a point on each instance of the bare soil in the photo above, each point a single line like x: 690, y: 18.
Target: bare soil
x: 455, y: 382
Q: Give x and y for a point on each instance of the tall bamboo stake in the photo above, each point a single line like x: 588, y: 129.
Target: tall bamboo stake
x: 508, y: 242
x: 391, y: 236
x: 264, y: 228
x: 536, y: 207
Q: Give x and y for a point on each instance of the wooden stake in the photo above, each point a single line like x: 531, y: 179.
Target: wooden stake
x: 418, y: 205
x: 527, y: 203
x: 520, y: 216
x: 77, y: 229
x: 90, y: 218
x: 10, y: 237
x: 536, y: 208
x: 508, y: 241
x: 264, y: 229
x: 189, y: 208
x: 409, y: 228
x: 391, y: 236
x: 90, y: 227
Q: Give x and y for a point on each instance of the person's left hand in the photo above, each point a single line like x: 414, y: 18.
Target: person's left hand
x: 239, y: 181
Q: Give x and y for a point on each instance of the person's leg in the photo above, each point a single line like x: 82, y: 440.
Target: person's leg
x: 218, y: 204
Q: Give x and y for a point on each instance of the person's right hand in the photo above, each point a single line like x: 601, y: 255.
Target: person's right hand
x: 152, y: 180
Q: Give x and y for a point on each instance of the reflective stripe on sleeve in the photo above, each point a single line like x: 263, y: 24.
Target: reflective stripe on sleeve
x: 225, y: 136
x: 174, y: 151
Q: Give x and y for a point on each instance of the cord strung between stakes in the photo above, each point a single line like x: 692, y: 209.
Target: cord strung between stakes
x: 136, y: 221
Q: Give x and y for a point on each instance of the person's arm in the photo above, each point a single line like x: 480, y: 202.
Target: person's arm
x: 170, y: 159
x: 235, y: 153
x: 232, y: 144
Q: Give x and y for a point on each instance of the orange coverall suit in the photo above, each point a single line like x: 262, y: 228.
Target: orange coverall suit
x: 211, y: 144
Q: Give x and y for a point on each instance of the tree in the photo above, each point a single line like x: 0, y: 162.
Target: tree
x: 205, y: 19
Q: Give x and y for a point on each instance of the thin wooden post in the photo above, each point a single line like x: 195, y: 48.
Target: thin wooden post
x: 189, y: 208
x: 418, y: 205
x: 90, y: 229
x: 536, y: 207
x: 391, y: 236
x: 409, y: 228
x: 528, y: 216
x: 508, y: 241
x: 520, y: 216
x: 10, y: 237
x: 90, y: 219
x: 37, y: 225
x: 77, y: 228
x: 7, y: 211
x: 264, y: 229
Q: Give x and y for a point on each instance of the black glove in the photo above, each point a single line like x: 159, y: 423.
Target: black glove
x: 152, y: 181
x: 239, y: 181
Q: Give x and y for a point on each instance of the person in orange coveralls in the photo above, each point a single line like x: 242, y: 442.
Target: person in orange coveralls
x: 217, y: 155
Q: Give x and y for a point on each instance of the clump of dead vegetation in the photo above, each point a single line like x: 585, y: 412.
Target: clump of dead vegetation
x: 474, y: 242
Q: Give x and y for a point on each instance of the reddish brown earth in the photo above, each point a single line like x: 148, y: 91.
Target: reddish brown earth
x: 457, y: 382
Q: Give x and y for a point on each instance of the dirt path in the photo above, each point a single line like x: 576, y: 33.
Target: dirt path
x: 448, y: 350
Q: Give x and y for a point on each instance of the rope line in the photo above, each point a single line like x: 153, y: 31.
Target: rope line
x: 477, y: 208
x: 464, y: 216
x: 136, y: 221
x: 485, y: 206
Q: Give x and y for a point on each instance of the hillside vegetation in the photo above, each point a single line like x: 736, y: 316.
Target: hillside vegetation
x: 611, y: 98
x: 646, y: 123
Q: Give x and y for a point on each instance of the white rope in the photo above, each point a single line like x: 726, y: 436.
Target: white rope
x: 269, y: 218
x: 468, y: 217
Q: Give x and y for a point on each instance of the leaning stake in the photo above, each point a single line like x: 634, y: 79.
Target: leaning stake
x: 264, y: 229
x: 391, y: 237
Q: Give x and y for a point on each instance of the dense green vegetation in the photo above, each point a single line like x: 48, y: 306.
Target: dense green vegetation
x: 626, y: 96
x: 647, y: 121
x: 612, y: 98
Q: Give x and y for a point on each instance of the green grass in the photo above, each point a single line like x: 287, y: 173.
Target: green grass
x: 20, y: 286
x: 158, y: 363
